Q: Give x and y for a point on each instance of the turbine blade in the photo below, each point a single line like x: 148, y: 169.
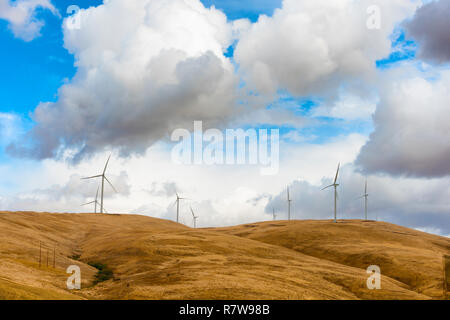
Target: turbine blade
x: 111, y: 184
x: 337, y: 173
x: 365, y: 189
x: 193, y: 213
x: 97, y: 176
x: 106, y: 165
x: 87, y: 203
x: 331, y: 185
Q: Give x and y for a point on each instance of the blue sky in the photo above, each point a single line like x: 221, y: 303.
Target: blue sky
x: 250, y: 9
x: 33, y: 71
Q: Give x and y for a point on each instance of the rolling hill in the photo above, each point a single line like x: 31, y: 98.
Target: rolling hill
x: 151, y: 258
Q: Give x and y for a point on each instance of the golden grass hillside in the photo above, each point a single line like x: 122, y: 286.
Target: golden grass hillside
x: 412, y: 257
x: 158, y: 259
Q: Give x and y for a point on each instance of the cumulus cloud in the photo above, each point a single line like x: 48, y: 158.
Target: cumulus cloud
x: 411, y: 129
x: 145, y: 68
x: 430, y: 27
x: 317, y: 46
x: 22, y: 16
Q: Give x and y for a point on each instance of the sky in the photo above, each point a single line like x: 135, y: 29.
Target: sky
x: 362, y: 83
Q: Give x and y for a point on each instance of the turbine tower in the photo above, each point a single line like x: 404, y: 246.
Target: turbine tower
x: 335, y: 185
x: 178, y: 205
x: 95, y: 201
x: 365, y: 196
x: 194, y: 218
x: 289, y: 204
x: 103, y: 176
x: 273, y: 213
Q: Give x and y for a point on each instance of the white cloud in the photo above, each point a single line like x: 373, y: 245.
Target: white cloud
x: 145, y: 68
x: 295, y: 136
x: 317, y: 46
x: 10, y: 127
x: 411, y: 128
x: 347, y: 107
x: 21, y: 16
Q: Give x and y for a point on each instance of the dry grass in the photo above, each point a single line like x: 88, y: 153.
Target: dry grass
x: 159, y: 259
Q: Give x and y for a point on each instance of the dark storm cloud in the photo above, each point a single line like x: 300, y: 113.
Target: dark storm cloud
x: 430, y: 27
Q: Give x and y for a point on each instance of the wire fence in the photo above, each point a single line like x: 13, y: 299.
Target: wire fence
x: 47, y: 254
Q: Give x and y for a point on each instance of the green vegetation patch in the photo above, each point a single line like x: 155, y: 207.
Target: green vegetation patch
x: 75, y: 257
x: 104, y: 273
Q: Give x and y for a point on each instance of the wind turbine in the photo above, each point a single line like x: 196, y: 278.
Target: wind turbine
x: 194, y: 218
x: 365, y: 196
x: 273, y: 213
x: 95, y: 201
x: 335, y: 185
x: 103, y: 176
x: 289, y: 203
x: 178, y: 205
